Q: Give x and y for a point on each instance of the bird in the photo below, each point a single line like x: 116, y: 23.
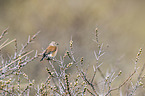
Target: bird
x: 50, y: 52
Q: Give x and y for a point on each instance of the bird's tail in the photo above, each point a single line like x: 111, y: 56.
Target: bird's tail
x: 42, y: 58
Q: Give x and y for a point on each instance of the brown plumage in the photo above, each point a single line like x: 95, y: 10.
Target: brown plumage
x: 50, y: 51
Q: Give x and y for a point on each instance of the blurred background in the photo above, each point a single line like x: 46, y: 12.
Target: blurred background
x: 121, y: 26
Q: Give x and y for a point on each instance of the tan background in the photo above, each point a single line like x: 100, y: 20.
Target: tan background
x: 121, y: 25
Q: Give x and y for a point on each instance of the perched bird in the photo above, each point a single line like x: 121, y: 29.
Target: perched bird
x: 50, y: 51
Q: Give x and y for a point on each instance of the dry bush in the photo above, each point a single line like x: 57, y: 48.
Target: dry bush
x: 62, y: 83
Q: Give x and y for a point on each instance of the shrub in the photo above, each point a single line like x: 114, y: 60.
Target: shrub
x: 62, y: 83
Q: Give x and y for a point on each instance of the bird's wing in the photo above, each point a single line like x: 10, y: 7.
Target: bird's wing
x: 50, y: 49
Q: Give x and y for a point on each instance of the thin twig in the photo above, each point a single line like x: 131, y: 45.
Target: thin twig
x: 86, y: 80
x: 2, y: 46
x: 3, y: 33
x: 62, y: 85
x: 91, y: 92
x: 67, y: 85
x: 138, y: 81
x: 30, y: 39
x: 16, y: 60
x: 95, y: 72
x: 139, y: 76
x: 5, y: 91
x: 121, y: 84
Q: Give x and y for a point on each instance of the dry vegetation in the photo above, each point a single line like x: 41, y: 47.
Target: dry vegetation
x: 62, y: 82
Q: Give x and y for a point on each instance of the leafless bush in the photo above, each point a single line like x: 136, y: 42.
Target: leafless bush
x: 62, y: 83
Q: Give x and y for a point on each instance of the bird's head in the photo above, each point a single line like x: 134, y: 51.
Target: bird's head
x: 53, y: 43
